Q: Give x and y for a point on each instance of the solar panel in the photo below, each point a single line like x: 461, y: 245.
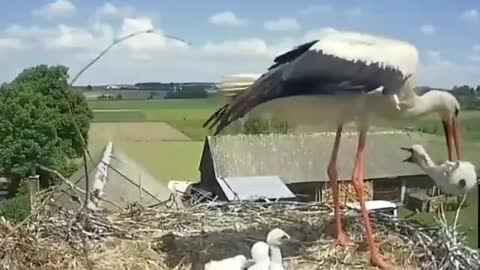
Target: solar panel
x: 254, y: 188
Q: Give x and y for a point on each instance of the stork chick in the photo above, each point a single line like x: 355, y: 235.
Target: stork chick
x: 260, y: 255
x: 452, y: 177
x: 275, y: 239
x: 238, y: 262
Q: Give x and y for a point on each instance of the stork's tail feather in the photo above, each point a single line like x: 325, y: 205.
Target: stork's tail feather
x: 261, y: 90
x: 231, y: 84
x: 215, y: 114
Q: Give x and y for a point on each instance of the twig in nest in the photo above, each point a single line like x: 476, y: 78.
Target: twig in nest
x: 25, y: 220
x: 458, y: 211
x: 74, y: 187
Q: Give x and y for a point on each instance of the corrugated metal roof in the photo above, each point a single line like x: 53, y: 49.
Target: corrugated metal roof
x: 304, y: 158
x: 255, y: 187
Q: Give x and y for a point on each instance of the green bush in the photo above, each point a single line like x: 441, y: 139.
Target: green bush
x: 257, y: 125
x: 17, y: 208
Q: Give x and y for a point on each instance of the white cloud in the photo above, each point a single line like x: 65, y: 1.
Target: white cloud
x: 475, y: 57
x: 227, y: 18
x: 152, y: 41
x: 433, y: 54
x: 283, y: 24
x: 476, y: 47
x: 27, y: 32
x: 12, y: 43
x: 55, y: 10
x: 67, y: 37
x: 427, y: 29
x: 109, y: 9
x: 471, y: 15
x: 318, y: 33
x: 356, y: 11
x: 244, y: 47
x: 317, y: 9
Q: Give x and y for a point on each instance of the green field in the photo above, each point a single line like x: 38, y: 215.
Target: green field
x: 173, y: 156
x: 187, y: 115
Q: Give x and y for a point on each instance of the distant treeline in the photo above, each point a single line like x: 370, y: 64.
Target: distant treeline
x: 157, y: 90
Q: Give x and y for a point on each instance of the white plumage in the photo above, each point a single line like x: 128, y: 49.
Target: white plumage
x: 234, y: 263
x: 370, y: 49
x: 275, y: 239
x: 452, y: 177
x: 260, y: 256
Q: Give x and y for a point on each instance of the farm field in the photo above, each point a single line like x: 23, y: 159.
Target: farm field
x: 186, y: 115
x: 166, y: 152
x: 166, y: 136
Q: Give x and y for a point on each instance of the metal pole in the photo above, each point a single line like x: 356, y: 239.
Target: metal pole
x: 87, y: 182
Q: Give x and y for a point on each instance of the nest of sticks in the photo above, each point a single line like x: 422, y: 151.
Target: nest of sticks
x: 162, y: 238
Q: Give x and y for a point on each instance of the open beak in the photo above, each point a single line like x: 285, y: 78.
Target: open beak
x: 410, y: 158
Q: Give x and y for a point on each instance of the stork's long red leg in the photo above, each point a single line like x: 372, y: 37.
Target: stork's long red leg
x: 342, y: 237
x: 456, y: 137
x: 357, y: 181
x: 447, y: 129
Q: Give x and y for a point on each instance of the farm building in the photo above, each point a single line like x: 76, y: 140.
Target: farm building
x: 300, y: 161
x: 119, y: 179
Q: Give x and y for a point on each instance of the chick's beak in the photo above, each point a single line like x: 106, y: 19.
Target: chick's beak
x: 410, y: 158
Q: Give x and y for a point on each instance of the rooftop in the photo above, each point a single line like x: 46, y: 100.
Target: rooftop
x: 304, y: 158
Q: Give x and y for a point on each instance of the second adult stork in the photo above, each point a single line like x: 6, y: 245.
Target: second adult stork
x: 338, y: 78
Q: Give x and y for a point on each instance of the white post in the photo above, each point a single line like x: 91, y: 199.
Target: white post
x: 403, y: 190
x: 33, y: 186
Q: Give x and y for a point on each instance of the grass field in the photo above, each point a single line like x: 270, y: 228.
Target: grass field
x: 186, y: 115
x: 146, y: 131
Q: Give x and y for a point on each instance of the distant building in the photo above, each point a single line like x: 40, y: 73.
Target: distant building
x: 301, y: 162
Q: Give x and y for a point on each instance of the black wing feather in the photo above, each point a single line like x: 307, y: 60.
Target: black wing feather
x: 356, y: 77
x: 292, y: 54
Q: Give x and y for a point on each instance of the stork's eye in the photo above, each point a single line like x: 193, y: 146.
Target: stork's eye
x: 284, y: 237
x: 462, y: 183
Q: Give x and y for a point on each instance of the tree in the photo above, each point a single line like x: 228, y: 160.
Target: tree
x: 28, y: 134
x: 463, y: 90
x: 36, y: 125
x: 89, y: 88
x: 51, y: 82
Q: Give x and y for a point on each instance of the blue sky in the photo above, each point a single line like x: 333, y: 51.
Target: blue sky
x: 228, y: 36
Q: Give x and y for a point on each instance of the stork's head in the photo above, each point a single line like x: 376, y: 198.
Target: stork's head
x: 417, y: 152
x: 278, y: 237
x: 461, y: 173
x: 260, y: 251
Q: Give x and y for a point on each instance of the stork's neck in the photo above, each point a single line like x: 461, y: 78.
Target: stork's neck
x: 432, y: 101
x: 427, y: 164
x: 275, y: 258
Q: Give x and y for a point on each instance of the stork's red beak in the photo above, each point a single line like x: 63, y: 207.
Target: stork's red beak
x: 411, y: 157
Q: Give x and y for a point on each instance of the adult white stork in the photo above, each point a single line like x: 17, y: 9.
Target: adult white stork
x: 338, y: 78
x: 411, y: 106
